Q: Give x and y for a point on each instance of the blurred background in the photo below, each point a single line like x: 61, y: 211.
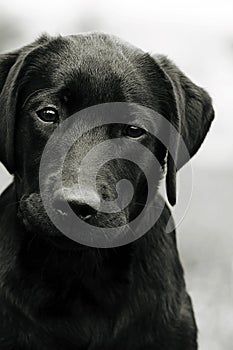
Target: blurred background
x: 198, y: 37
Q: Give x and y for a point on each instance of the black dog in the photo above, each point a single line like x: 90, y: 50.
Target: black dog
x: 59, y: 294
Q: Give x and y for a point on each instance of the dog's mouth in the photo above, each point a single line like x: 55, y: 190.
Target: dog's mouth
x: 33, y: 216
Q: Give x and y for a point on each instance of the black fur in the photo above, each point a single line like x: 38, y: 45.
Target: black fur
x: 58, y: 294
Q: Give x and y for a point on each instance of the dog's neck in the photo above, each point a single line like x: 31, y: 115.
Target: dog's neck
x: 34, y: 261
x: 70, y: 277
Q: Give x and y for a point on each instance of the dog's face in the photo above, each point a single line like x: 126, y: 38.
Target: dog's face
x: 59, y: 79
x: 54, y: 78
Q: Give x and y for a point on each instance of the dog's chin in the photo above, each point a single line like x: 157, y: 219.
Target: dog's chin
x: 35, y: 220
x: 64, y: 243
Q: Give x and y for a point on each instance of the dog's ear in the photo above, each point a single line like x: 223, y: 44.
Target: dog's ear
x: 191, y: 114
x: 10, y: 66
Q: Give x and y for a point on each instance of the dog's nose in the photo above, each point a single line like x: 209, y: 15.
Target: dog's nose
x: 85, y: 205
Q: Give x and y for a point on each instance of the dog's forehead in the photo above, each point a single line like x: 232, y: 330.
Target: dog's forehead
x: 100, y: 50
x: 101, y: 64
x: 83, y: 54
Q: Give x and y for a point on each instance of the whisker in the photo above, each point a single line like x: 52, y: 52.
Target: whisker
x: 13, y: 203
x: 43, y: 267
x: 31, y: 240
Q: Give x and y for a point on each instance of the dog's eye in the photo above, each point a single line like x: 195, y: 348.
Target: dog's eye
x: 134, y: 131
x: 48, y: 115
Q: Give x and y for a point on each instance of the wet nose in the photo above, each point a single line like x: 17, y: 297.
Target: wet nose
x: 85, y: 205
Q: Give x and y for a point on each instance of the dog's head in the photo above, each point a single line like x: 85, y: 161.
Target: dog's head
x: 44, y: 83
